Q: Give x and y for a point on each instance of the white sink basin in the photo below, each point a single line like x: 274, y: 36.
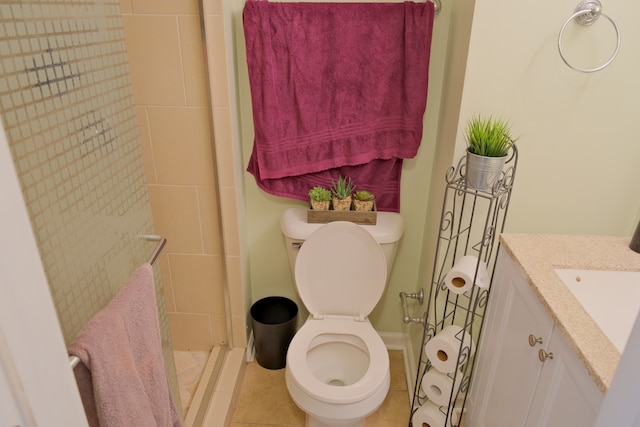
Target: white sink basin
x: 612, y: 299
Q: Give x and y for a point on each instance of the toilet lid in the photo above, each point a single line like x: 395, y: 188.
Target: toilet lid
x: 340, y: 270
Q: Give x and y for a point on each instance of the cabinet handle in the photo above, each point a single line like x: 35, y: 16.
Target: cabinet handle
x: 543, y: 355
x: 533, y: 340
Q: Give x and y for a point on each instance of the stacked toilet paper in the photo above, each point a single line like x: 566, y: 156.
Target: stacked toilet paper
x: 443, y: 350
x: 442, y: 381
x: 433, y: 416
x: 439, y: 387
x: 429, y: 415
x: 460, y: 278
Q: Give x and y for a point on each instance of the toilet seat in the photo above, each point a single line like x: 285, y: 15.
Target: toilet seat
x: 340, y: 270
x: 375, y: 376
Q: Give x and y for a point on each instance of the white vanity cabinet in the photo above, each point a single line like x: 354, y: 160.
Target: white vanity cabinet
x: 526, y: 374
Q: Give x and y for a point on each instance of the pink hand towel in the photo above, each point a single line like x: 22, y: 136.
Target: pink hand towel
x: 121, y: 374
x: 335, y: 85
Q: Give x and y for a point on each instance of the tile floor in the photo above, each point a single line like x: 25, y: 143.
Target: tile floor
x: 189, y: 366
x: 265, y: 402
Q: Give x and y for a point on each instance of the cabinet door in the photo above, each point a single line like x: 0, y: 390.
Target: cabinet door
x: 566, y: 395
x: 508, y: 367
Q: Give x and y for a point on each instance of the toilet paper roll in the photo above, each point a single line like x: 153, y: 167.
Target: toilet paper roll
x: 460, y: 278
x: 456, y: 415
x: 429, y: 415
x: 443, y: 349
x: 438, y: 386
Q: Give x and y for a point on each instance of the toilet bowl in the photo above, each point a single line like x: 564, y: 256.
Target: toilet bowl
x: 337, y: 373
x: 337, y: 368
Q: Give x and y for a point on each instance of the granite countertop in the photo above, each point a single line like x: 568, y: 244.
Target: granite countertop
x: 539, y: 254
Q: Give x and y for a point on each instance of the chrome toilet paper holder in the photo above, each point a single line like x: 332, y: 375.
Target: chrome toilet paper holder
x: 405, y: 306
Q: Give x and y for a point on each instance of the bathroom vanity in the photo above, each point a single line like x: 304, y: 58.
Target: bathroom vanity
x: 526, y: 373
x: 542, y: 360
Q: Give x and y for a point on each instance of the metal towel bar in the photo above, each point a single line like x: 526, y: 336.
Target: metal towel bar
x: 73, y: 360
x: 158, y: 249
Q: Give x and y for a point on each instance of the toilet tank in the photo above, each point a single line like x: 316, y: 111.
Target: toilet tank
x: 387, y: 232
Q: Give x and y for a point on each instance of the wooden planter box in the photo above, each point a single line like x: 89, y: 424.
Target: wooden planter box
x: 323, y: 217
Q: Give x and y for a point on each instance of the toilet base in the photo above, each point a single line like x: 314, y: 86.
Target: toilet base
x: 312, y: 421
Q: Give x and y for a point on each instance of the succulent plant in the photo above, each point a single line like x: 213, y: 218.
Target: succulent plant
x: 363, y: 195
x: 343, y: 188
x: 320, y: 194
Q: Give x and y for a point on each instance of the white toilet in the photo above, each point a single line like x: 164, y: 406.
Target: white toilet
x: 337, y: 368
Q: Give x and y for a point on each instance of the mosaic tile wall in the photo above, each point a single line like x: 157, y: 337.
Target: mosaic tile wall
x: 67, y: 108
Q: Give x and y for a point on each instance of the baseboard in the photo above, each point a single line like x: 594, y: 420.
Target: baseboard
x: 394, y: 340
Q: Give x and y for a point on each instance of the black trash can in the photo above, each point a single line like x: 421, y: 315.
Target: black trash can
x: 274, y: 324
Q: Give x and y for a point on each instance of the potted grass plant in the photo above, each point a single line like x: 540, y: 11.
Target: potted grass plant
x: 363, y: 200
x: 320, y: 198
x: 341, y: 191
x: 488, y: 141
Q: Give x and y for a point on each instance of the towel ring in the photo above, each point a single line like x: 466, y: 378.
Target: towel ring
x: 437, y: 5
x: 586, y: 13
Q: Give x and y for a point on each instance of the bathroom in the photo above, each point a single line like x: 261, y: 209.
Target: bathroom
x: 556, y: 110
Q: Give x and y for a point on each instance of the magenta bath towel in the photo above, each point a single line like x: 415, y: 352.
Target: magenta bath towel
x: 121, y: 375
x: 335, y: 85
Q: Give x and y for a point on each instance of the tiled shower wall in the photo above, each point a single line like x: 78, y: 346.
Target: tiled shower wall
x: 171, y: 95
x: 67, y: 107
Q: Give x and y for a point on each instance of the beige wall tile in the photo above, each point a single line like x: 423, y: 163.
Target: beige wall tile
x: 193, y: 60
x: 210, y: 220
x: 190, y: 332
x: 167, y: 283
x: 219, y: 329
x: 223, y: 140
x: 165, y: 6
x: 154, y: 59
x: 198, y: 282
x: 182, y: 145
x: 175, y: 215
x: 217, y: 66
x: 169, y: 74
x: 125, y: 6
x: 147, y: 150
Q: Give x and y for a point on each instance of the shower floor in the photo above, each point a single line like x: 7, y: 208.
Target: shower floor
x: 189, y: 366
x: 198, y: 374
